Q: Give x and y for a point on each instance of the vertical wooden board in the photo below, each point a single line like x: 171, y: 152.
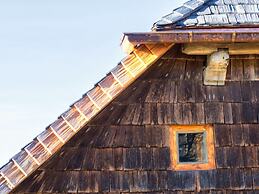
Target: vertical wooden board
x: 200, y: 92
x: 214, y: 113
x: 223, y: 135
x: 156, y: 135
x: 253, y: 134
x: 104, y: 185
x: 250, y: 155
x: 255, y: 91
x: 147, y: 114
x: 246, y: 91
x: 198, y: 116
x: 120, y: 181
x: 138, y: 115
x: 248, y: 178
x: 228, y: 114
x: 154, y: 116
x: 221, y: 157
x: 236, y: 113
x: 237, y: 133
x: 181, y: 180
x: 185, y: 92
x: 255, y: 174
x: 237, y: 180
x: 128, y: 136
x: 84, y: 182
x: 118, y: 158
x: 234, y: 89
x: 187, y: 114
x: 248, y: 113
x: 128, y: 115
x: 249, y: 69
x: 178, y: 116
x: 178, y: 70
x: 119, y: 140
x: 107, y: 157
x: 234, y: 157
x: 89, y: 159
x: 257, y: 69
x: 147, y: 162
x: 222, y: 179
x: 162, y: 113
x: 207, y: 179
x: 57, y: 183
x: 228, y: 75
x: 236, y: 69
x: 162, y: 180
x: 152, y: 180
x: 164, y: 163
x: 94, y: 183
x: 76, y: 160
x: 211, y: 93
x: 132, y: 158
x: 138, y: 136
x: 140, y: 181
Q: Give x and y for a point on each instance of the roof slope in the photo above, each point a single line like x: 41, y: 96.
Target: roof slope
x: 80, y: 113
x: 212, y: 13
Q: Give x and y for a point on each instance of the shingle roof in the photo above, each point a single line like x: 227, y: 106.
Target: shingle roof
x: 212, y: 13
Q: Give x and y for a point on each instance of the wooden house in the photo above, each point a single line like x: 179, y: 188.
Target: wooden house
x: 179, y: 114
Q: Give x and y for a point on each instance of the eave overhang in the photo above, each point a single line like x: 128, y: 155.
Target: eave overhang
x: 212, y: 35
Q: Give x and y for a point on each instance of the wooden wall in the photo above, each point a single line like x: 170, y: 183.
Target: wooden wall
x: 125, y: 149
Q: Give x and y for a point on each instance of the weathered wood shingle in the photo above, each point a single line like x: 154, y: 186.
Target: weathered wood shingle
x: 126, y: 148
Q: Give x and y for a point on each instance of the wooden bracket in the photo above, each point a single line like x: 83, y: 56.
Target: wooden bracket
x: 216, y: 70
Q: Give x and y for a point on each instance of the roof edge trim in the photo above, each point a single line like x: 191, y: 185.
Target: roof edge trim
x: 216, y: 35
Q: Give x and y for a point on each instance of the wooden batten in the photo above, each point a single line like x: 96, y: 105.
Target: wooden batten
x: 207, y: 49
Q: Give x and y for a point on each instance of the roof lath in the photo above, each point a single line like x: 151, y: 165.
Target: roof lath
x: 82, y: 111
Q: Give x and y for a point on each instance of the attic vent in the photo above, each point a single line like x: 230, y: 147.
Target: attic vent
x: 192, y: 147
x: 216, y: 70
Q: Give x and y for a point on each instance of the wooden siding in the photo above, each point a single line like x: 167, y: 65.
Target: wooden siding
x: 69, y: 123
x: 126, y: 148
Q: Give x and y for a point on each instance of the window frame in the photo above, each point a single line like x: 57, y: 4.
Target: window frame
x: 209, y: 147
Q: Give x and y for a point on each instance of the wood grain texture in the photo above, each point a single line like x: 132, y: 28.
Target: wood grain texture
x: 126, y: 148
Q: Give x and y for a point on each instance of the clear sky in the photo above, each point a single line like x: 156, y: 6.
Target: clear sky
x: 53, y: 51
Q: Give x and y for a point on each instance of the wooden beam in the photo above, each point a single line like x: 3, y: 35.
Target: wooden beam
x: 207, y: 49
x: 216, y: 35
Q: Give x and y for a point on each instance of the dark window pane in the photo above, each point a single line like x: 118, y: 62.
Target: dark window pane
x: 191, y: 147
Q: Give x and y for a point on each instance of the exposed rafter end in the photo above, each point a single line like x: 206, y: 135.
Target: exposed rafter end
x: 126, y: 45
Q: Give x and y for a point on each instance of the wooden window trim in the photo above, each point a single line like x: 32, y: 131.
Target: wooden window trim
x: 175, y: 165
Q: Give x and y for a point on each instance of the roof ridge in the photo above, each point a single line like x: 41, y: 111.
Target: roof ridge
x: 180, y: 13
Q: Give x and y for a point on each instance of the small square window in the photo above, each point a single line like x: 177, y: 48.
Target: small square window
x: 192, y: 147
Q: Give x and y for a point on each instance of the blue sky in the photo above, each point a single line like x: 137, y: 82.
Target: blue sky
x: 53, y: 51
